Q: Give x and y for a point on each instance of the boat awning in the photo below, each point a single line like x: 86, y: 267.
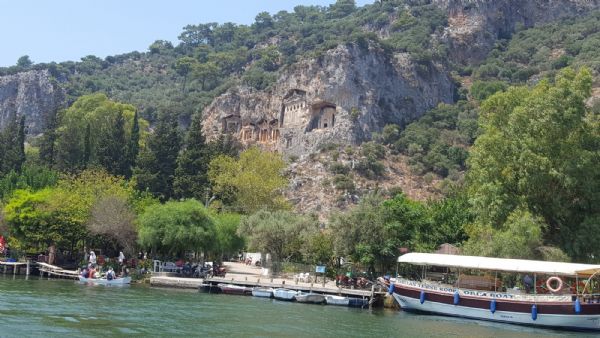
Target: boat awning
x: 500, y: 264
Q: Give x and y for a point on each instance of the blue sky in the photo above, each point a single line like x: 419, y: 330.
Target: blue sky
x: 62, y: 30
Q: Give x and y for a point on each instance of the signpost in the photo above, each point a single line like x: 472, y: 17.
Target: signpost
x: 321, y: 269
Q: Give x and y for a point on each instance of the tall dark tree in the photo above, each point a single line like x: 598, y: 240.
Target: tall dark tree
x: 87, y: 145
x: 192, y: 164
x: 112, y: 147
x: 133, y: 147
x: 156, y: 164
x: 13, y: 141
x: 20, y: 145
x: 48, y: 140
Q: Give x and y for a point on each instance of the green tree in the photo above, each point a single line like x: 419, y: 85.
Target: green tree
x: 191, y: 175
x: 539, y: 151
x: 176, y: 227
x: 102, y: 114
x: 24, y: 62
x: 253, y: 182
x: 228, y: 239
x: 279, y: 233
x: 184, y: 66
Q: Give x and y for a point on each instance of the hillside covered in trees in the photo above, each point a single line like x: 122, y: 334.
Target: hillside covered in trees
x: 503, y: 162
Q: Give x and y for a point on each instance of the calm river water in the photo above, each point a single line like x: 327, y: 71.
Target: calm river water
x: 43, y: 308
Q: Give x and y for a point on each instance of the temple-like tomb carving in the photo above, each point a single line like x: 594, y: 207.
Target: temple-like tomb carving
x: 296, y: 114
x: 230, y: 124
x: 322, y: 116
x: 294, y: 108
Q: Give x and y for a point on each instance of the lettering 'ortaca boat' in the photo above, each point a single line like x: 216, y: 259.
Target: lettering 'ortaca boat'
x: 540, y: 293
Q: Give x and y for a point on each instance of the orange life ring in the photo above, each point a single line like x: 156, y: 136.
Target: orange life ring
x: 549, y: 284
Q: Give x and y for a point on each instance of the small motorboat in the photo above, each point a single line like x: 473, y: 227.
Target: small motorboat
x: 104, y: 281
x: 232, y: 289
x: 262, y: 292
x: 358, y: 302
x: 337, y: 300
x: 312, y: 298
x: 285, y: 294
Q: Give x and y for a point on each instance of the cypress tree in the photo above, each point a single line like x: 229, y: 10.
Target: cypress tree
x: 133, y: 147
x: 156, y: 165
x: 192, y: 164
x: 87, y: 146
x: 48, y: 140
x: 112, y: 147
x: 20, y: 145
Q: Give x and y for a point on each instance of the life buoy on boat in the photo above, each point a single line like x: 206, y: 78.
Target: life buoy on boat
x: 558, y: 286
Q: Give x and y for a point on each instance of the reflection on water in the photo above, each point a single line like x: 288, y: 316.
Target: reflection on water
x: 41, y: 307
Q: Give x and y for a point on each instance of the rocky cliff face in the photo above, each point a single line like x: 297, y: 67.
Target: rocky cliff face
x: 475, y: 25
x: 31, y: 94
x: 341, y: 97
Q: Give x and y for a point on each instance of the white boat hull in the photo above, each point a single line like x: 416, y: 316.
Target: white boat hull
x: 104, y: 281
x: 337, y: 300
x: 587, y: 322
x: 262, y: 292
x: 284, y: 294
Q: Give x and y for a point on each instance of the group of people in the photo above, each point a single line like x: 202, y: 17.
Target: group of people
x: 92, y: 269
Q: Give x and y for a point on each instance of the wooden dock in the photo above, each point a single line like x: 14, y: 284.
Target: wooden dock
x: 56, y: 271
x: 16, y: 266
x: 374, y: 296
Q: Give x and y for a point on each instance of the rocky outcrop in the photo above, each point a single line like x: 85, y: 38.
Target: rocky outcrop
x: 341, y: 97
x: 32, y: 94
x: 475, y: 25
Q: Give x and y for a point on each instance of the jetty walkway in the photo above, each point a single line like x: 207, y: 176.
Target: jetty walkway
x: 243, y: 275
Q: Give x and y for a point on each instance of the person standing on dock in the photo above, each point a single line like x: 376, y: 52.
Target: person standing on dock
x: 121, y: 258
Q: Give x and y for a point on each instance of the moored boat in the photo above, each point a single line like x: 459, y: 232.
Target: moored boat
x: 313, y: 298
x: 232, y: 289
x: 548, y: 301
x: 337, y: 300
x: 262, y: 292
x: 104, y: 281
x: 358, y: 302
x: 285, y: 294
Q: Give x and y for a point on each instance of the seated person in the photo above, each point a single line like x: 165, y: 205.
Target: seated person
x: 110, y: 275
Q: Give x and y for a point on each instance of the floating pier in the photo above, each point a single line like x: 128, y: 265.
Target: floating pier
x: 375, y: 297
x: 16, y: 266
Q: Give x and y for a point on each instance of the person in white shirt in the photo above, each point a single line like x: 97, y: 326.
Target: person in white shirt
x: 93, y: 257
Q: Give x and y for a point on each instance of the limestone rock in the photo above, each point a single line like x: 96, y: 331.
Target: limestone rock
x: 340, y: 97
x: 31, y: 94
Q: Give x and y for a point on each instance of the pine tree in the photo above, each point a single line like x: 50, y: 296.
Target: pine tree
x: 192, y: 164
x: 156, y: 165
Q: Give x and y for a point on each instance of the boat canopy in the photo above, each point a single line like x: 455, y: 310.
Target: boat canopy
x: 500, y: 264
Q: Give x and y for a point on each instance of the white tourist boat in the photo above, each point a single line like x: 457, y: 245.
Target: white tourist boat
x: 104, y: 281
x: 285, y: 294
x: 262, y: 292
x: 562, y: 294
